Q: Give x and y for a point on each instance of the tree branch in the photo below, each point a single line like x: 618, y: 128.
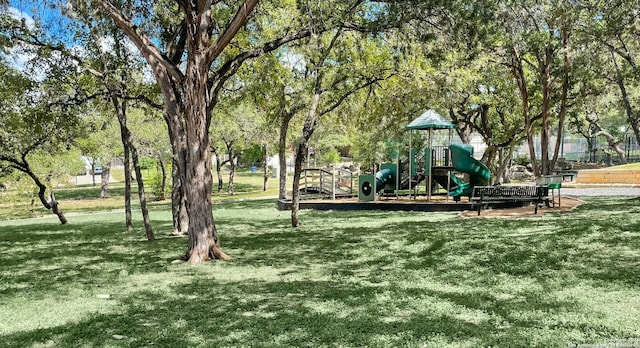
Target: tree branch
x: 153, y: 55
x: 232, y: 29
x: 351, y: 92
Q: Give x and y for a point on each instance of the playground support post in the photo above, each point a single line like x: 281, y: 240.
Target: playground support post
x: 398, y: 173
x: 430, y: 170
x: 410, y: 149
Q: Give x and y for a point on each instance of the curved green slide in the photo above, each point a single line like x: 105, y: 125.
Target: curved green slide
x: 386, y: 175
x: 463, y: 161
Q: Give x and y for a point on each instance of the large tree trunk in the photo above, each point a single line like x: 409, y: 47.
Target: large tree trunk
x: 188, y: 100
x: 614, y: 144
x: 203, y: 236
x: 503, y: 165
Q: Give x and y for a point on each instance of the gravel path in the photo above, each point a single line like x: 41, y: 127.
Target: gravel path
x: 601, y: 191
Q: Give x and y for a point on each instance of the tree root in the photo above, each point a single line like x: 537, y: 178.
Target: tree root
x: 215, y: 253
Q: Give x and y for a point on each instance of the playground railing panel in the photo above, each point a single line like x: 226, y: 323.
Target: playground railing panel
x: 327, y: 182
x: 485, y: 194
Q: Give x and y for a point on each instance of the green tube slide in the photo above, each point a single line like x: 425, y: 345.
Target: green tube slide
x: 383, y: 177
x: 463, y: 161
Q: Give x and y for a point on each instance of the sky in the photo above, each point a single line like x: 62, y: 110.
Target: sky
x: 28, y: 12
x: 59, y: 29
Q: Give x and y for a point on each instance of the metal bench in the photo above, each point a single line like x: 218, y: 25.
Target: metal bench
x: 486, y: 194
x: 569, y: 175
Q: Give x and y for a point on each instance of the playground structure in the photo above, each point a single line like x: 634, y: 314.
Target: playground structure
x: 437, y: 167
x: 450, y: 167
x: 449, y: 171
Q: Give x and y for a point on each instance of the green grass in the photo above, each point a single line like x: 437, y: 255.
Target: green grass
x: 631, y: 166
x: 378, y: 279
x: 85, y: 198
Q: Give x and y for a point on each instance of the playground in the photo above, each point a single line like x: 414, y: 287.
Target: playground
x: 430, y: 178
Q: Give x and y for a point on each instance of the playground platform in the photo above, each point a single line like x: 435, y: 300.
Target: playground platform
x: 402, y: 203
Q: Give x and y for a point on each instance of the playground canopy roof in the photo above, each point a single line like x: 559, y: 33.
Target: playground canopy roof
x: 430, y: 120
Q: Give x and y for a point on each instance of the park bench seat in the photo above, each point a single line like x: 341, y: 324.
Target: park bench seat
x: 485, y: 194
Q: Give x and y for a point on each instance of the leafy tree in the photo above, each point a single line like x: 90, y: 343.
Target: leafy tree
x: 191, y: 71
x: 614, y: 31
x: 339, y: 63
x: 30, y: 124
x: 113, y: 69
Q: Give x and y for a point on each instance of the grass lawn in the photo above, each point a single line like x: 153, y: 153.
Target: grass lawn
x: 344, y: 279
x: 630, y: 166
x: 85, y: 198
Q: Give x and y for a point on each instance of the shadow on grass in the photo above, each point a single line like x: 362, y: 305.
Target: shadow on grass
x: 87, y: 192
x: 342, y: 279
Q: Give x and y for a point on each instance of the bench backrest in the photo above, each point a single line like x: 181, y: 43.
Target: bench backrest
x: 510, y: 191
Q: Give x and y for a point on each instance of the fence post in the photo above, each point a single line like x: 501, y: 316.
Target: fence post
x: 333, y: 183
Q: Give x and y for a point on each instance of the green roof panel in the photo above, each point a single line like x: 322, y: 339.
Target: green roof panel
x: 430, y: 120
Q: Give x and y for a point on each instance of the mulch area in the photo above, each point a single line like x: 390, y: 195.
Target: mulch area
x: 568, y: 204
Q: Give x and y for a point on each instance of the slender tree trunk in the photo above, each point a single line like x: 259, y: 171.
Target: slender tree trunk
x: 518, y: 73
x: 219, y: 164
x: 265, y: 158
x: 55, y: 208
x: 42, y: 189
x: 104, y: 179
x: 121, y: 112
x: 232, y: 165
x: 546, y: 83
x: 614, y: 144
x: 93, y: 173
x: 564, y: 96
x: 163, y: 180
x: 179, y: 161
x: 632, y: 117
x: 127, y: 183
x: 178, y: 204
x: 141, y: 194
x: 282, y: 153
x: 300, y: 154
x: 301, y: 151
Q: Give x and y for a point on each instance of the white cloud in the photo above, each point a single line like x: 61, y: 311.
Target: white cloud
x: 23, y: 17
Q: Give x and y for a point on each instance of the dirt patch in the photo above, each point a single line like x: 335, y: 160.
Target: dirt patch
x: 567, y: 204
